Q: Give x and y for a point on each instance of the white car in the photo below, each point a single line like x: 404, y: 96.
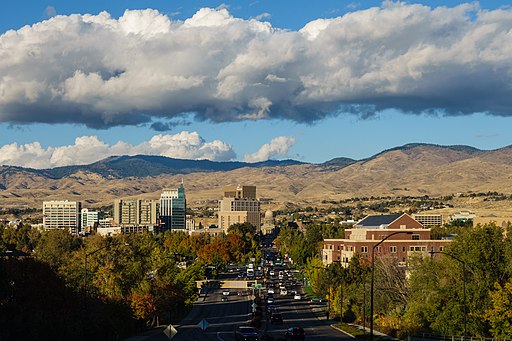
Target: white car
x: 270, y: 300
x: 271, y: 290
x: 296, y: 296
x: 272, y: 273
x: 283, y: 292
x: 225, y: 292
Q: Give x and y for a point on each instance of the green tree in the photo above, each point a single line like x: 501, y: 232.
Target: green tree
x: 55, y: 246
x: 500, y: 315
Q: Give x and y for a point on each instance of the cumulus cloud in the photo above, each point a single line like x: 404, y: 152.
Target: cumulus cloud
x: 88, y: 149
x: 278, y: 147
x: 145, y: 66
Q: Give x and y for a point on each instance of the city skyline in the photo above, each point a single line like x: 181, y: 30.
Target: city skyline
x: 332, y: 80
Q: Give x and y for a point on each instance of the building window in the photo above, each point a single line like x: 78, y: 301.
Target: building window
x: 364, y: 249
x: 392, y: 249
x: 415, y: 237
x: 403, y: 249
x: 441, y: 248
x: 338, y: 247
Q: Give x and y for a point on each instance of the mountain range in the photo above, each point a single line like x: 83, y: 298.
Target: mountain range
x: 412, y: 170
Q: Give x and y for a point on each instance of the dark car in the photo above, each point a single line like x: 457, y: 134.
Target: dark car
x: 295, y: 333
x: 276, y: 318
x: 246, y: 334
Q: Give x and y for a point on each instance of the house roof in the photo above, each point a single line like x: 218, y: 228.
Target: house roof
x: 378, y: 220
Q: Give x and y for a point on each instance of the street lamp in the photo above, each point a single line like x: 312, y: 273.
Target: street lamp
x: 373, y: 275
x: 463, y: 282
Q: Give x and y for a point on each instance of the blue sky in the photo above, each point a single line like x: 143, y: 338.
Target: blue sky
x: 351, y: 100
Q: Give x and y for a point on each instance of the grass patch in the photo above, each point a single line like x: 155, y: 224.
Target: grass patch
x: 357, y: 333
x: 311, y: 295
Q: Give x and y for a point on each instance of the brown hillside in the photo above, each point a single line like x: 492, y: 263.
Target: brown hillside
x: 418, y: 170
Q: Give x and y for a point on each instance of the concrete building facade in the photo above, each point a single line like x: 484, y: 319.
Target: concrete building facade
x: 135, y: 212
x: 239, y: 205
x: 62, y: 215
x: 429, y: 220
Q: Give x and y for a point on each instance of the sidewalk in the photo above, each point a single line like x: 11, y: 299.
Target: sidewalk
x: 319, y: 312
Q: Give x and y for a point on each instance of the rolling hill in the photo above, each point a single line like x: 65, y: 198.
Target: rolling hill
x: 413, y: 169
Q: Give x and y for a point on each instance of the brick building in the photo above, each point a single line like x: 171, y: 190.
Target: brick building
x: 372, y: 229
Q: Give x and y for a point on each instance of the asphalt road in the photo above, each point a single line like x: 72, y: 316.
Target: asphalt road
x: 224, y: 317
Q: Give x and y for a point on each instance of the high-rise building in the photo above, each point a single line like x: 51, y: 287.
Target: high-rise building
x: 429, y: 220
x: 62, y: 215
x: 89, y: 218
x: 239, y: 205
x: 135, y: 212
x: 173, y: 207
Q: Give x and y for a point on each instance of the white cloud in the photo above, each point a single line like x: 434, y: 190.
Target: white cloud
x: 278, y: 147
x: 88, y: 149
x: 145, y: 66
x: 263, y: 16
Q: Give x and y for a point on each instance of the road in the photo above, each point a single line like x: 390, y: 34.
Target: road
x: 224, y: 317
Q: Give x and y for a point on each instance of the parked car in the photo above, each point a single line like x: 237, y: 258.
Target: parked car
x: 224, y: 299
x: 276, y: 318
x: 296, y: 296
x: 270, y: 290
x: 225, y: 292
x: 244, y: 333
x: 295, y: 333
x: 283, y: 292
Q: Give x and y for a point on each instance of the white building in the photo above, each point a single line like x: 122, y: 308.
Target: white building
x: 89, y: 218
x: 62, y: 215
x: 429, y: 220
x: 268, y: 223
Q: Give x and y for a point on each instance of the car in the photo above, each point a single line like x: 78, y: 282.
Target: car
x: 283, y: 292
x: 297, y: 296
x: 244, y: 333
x: 271, y: 309
x: 270, y: 300
x: 225, y: 292
x: 295, y: 333
x: 276, y: 318
x: 270, y: 290
x: 272, y: 273
x: 224, y: 299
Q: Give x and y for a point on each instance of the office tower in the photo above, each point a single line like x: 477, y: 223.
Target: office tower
x: 173, y: 207
x: 239, y: 205
x: 135, y: 212
x: 62, y: 215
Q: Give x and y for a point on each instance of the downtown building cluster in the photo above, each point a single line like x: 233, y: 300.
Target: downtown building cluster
x: 168, y: 213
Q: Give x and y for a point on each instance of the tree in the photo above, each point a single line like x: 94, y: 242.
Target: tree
x: 500, y: 315
x: 55, y: 246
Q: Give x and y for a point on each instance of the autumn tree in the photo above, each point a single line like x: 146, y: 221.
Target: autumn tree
x: 500, y: 314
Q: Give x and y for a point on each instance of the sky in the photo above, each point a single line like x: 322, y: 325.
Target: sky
x: 250, y: 81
